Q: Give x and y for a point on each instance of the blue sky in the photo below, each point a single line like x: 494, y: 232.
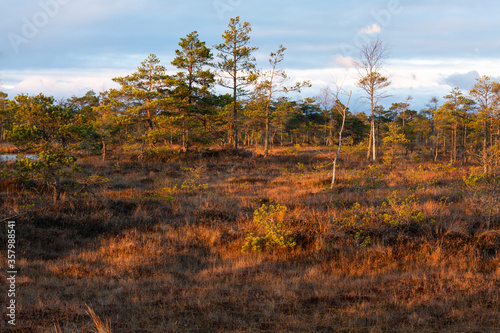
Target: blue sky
x: 67, y: 47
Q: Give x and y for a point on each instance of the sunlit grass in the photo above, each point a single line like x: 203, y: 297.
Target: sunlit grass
x: 386, y: 250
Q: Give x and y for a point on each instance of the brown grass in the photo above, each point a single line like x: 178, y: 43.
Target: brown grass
x: 7, y: 148
x: 158, y: 248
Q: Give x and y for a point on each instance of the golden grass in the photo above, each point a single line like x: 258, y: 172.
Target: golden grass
x: 153, y: 256
x: 100, y: 326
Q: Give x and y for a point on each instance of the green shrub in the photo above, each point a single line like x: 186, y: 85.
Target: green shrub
x: 402, y: 211
x: 270, y: 218
x: 395, y: 210
x: 50, y: 166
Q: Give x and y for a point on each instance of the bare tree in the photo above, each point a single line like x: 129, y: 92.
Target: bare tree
x: 342, y: 109
x: 370, y: 62
x: 325, y: 99
x: 333, y: 98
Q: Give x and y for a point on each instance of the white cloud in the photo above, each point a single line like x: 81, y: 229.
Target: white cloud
x: 58, y: 83
x: 372, y: 29
x: 408, y: 76
x: 343, y: 61
x: 421, y: 78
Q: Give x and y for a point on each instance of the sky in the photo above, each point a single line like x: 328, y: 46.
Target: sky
x: 65, y: 48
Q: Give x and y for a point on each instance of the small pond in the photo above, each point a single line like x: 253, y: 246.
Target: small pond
x: 13, y: 157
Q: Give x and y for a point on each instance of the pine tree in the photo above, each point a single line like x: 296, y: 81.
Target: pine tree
x: 455, y: 108
x: 487, y: 97
x: 270, y: 83
x: 5, y: 115
x: 236, y: 68
x: 193, y: 82
x: 142, y: 92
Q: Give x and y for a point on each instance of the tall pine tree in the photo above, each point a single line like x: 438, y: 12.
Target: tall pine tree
x: 236, y: 68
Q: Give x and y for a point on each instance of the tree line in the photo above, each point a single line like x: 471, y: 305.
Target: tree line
x: 153, y: 110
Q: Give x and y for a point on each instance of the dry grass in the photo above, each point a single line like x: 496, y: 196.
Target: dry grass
x: 7, y: 148
x: 158, y: 248
x: 100, y: 326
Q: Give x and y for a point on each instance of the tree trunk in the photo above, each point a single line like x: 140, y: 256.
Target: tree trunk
x: 103, y: 150
x: 334, y: 173
x: 281, y: 137
x: 435, y: 141
x: 374, y: 143
x: 455, y: 130
x: 266, y: 144
x: 368, y: 153
x: 452, y: 148
x: 235, y: 107
x: 436, y: 145
x: 184, y: 135
x: 485, y: 145
x: 57, y: 189
x: 464, y: 149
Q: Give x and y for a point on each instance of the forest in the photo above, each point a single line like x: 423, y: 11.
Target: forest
x: 168, y: 205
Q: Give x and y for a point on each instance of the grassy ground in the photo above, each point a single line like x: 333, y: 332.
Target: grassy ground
x: 156, y: 246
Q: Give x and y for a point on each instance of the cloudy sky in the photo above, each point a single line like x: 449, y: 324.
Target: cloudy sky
x: 67, y: 47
